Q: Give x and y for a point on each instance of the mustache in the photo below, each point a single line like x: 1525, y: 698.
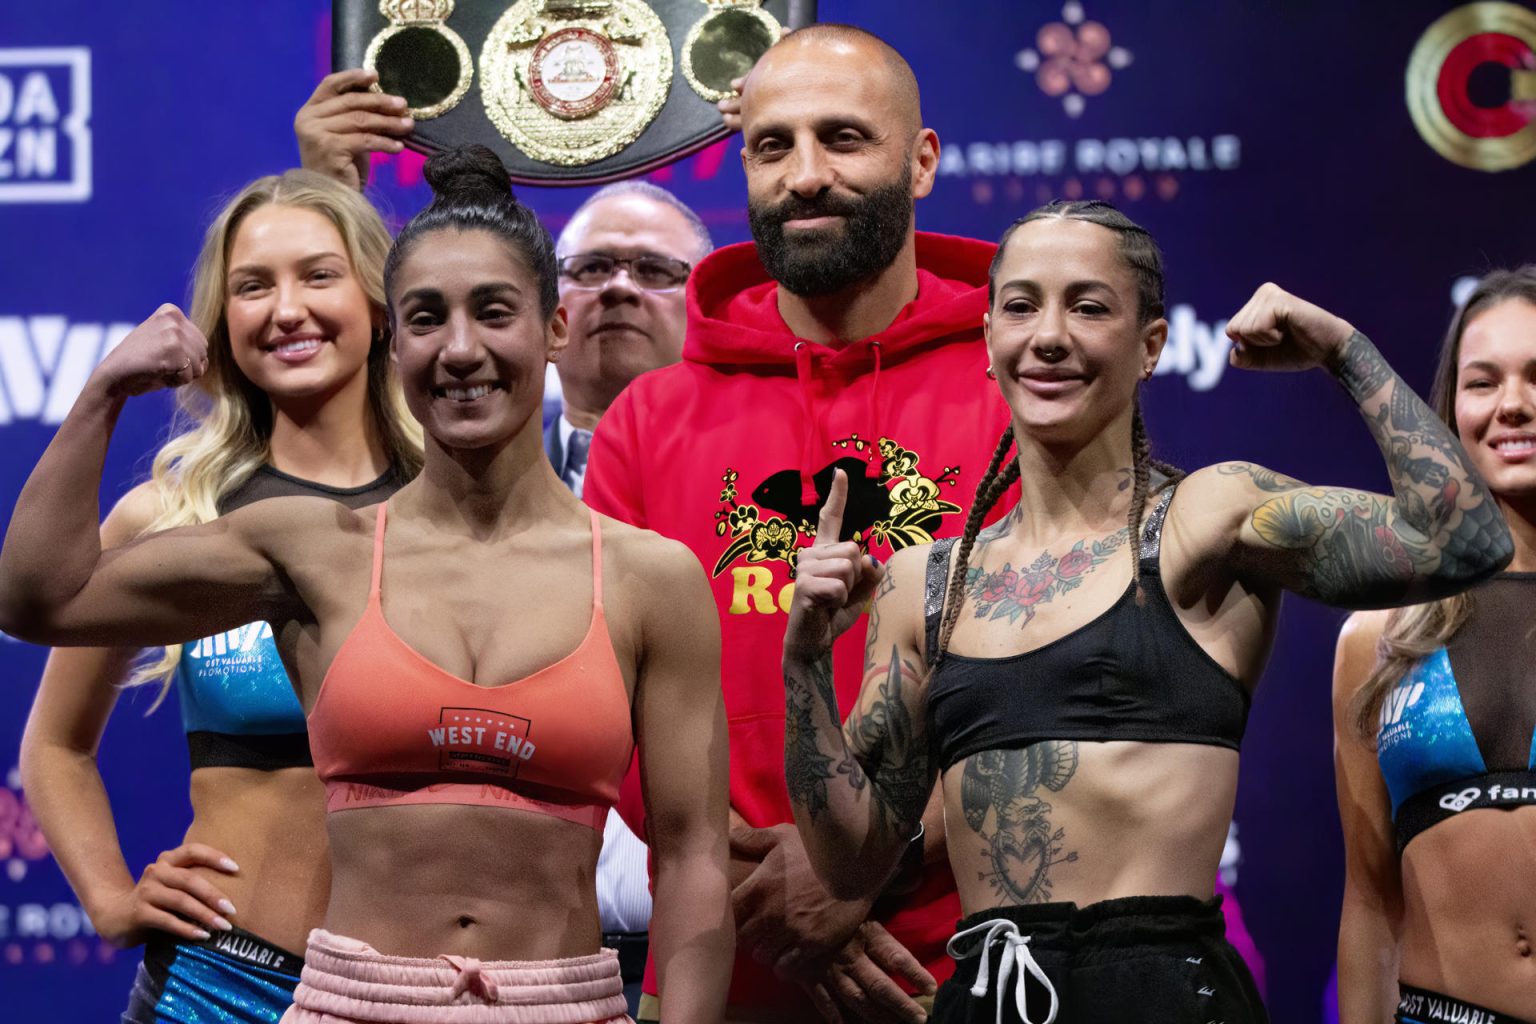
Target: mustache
x: 800, y: 208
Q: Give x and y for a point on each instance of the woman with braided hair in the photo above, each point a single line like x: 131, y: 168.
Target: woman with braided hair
x: 1093, y: 653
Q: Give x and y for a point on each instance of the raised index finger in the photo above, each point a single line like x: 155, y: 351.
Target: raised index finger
x: 829, y: 526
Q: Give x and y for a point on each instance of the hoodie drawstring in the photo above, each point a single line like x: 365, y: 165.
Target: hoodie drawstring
x: 813, y: 441
x: 876, y: 461
x: 812, y: 437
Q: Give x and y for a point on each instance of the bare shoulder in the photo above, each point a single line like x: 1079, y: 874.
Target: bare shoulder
x: 663, y: 605
x: 649, y: 562
x: 906, y: 574
x: 910, y: 563
x: 1361, y: 634
x: 1357, y: 652
x: 1363, y: 630
x: 1213, y: 502
x: 1234, y: 483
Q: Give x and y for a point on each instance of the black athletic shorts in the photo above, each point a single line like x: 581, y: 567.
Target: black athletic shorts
x: 1149, y: 959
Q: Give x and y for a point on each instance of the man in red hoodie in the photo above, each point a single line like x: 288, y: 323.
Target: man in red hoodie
x: 843, y: 338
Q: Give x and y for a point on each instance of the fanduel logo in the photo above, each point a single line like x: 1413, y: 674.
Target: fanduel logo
x: 45, y: 135
x: 1195, y: 350
x: 1497, y: 795
x: 45, y: 362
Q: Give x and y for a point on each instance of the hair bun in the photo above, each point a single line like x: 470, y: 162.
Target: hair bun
x: 468, y: 174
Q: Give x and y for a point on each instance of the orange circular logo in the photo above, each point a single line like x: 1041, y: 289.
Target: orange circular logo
x: 1471, y: 86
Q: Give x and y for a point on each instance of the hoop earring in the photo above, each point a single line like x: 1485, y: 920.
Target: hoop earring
x: 991, y: 374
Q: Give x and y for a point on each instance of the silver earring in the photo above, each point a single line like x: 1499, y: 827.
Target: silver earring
x: 991, y: 374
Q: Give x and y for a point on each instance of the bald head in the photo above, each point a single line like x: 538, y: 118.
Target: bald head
x: 846, y: 50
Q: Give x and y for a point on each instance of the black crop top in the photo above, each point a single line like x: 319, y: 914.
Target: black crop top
x: 1133, y: 673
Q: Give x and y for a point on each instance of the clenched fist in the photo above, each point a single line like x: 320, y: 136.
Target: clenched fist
x: 1277, y: 331
x: 165, y: 351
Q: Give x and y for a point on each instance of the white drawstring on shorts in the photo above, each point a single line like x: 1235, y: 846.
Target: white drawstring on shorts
x: 1015, y: 952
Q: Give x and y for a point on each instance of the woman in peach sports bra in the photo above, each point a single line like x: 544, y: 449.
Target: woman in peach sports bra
x: 477, y: 658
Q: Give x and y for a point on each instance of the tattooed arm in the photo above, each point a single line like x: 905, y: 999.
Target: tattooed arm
x: 1438, y: 533
x: 858, y: 791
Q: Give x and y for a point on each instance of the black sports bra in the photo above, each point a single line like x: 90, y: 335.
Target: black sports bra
x: 1133, y: 673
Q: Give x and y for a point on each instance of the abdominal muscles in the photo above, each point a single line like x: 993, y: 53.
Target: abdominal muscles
x: 1064, y: 820
x: 493, y: 883
x: 1469, y: 909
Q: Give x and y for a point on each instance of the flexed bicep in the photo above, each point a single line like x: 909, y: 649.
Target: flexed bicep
x: 173, y: 586
x: 1437, y: 532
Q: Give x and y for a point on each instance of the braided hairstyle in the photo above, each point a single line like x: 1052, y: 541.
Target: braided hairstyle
x: 1141, y: 254
x: 471, y: 192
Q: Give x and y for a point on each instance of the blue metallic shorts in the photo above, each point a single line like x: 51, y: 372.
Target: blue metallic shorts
x: 233, y: 977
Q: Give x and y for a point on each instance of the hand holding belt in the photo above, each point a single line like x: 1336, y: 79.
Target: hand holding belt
x: 565, y: 91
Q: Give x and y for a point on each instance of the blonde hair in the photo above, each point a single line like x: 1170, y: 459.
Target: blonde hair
x: 1415, y: 630
x: 224, y: 422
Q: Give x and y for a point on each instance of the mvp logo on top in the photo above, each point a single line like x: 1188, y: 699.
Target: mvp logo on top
x: 45, y: 362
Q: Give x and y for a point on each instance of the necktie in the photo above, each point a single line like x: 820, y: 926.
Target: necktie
x: 576, y: 447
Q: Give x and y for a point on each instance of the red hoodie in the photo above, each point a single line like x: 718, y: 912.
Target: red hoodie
x: 732, y: 452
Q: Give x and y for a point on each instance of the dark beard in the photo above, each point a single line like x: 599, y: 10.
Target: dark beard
x: 816, y: 263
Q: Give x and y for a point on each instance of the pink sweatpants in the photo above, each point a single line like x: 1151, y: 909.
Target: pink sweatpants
x: 349, y: 982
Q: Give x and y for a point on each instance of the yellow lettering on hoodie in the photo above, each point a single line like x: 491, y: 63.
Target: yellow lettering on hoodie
x: 751, y: 590
x: 786, y: 595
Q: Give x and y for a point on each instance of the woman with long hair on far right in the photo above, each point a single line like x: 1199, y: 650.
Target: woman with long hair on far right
x: 1094, y: 652
x: 1434, y: 710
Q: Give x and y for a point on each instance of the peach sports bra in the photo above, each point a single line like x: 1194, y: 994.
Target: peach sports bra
x: 390, y: 727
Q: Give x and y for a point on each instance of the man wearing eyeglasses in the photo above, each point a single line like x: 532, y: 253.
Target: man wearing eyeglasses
x: 625, y: 256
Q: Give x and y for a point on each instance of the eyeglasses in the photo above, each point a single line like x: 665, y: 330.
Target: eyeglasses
x: 652, y: 273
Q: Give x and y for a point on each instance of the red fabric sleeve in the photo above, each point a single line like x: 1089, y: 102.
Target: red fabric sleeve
x: 612, y: 484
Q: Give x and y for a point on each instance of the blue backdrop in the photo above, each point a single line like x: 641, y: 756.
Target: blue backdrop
x: 1256, y: 142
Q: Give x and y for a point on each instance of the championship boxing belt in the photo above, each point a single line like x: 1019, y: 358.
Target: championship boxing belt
x: 1502, y: 790
x: 566, y: 92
